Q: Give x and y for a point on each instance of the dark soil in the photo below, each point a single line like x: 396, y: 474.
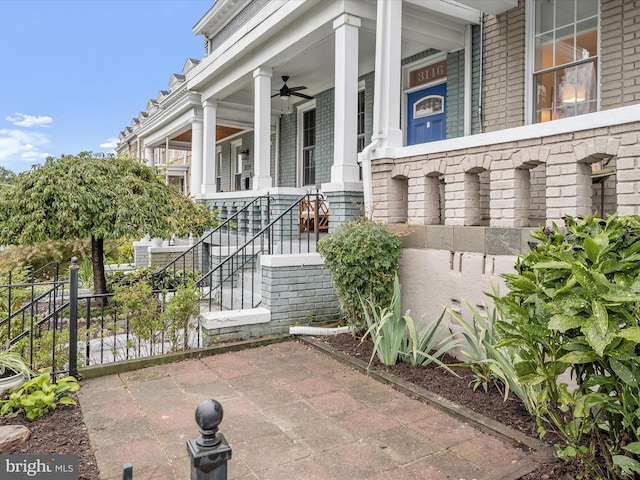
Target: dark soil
x: 460, y: 390
x: 63, y: 431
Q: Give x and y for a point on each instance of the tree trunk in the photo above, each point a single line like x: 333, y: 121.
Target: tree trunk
x: 97, y: 260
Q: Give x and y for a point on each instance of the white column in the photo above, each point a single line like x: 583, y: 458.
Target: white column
x: 386, y: 95
x: 209, y: 112
x: 345, y: 146
x: 262, y: 129
x: 148, y: 155
x: 195, y: 183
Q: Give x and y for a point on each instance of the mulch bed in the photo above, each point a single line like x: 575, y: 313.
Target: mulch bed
x: 61, y: 432
x: 460, y: 390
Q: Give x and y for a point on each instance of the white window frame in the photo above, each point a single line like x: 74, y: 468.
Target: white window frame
x: 218, y: 168
x: 363, y: 135
x: 236, y: 146
x: 300, y: 110
x: 529, y: 52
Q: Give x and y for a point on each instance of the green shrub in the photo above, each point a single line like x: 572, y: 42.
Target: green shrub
x: 362, y: 257
x: 574, y: 307
x: 167, y: 280
x: 432, y: 342
x: 37, y: 255
x: 490, y: 364
x: 38, y: 396
x: 395, y: 336
x: 123, y: 252
x: 141, y: 306
x: 182, y: 306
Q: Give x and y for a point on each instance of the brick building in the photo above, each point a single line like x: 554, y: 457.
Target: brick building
x: 474, y: 120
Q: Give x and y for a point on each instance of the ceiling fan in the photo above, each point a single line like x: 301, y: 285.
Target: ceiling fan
x: 286, y: 92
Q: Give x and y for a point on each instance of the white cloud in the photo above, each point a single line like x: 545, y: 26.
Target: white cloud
x: 23, y: 120
x: 111, y: 143
x: 20, y: 145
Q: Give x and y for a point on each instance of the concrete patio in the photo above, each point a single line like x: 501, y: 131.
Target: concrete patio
x: 290, y: 412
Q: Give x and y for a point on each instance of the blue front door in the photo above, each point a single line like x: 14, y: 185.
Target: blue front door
x: 426, y: 115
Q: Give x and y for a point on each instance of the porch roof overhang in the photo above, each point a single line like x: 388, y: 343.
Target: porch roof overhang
x: 297, y: 39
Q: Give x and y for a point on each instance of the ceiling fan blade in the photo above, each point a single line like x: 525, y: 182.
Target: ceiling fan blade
x: 301, y: 95
x: 295, y: 89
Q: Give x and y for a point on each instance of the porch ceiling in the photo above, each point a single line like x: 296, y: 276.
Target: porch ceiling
x: 311, y: 63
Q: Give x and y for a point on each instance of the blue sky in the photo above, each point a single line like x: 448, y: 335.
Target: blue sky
x: 74, y: 73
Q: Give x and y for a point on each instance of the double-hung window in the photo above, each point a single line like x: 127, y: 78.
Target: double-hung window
x: 565, y: 63
x: 309, y: 147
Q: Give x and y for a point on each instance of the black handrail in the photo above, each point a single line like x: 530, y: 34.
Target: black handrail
x: 191, y: 252
x: 266, y: 237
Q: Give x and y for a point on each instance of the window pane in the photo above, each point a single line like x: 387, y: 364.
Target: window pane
x: 577, y: 89
x: 544, y: 51
x: 565, y: 13
x: 587, y: 39
x: 309, y: 167
x: 587, y: 8
x: 564, y: 46
x: 544, y: 16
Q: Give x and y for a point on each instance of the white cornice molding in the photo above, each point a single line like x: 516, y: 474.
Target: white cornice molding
x: 218, y: 17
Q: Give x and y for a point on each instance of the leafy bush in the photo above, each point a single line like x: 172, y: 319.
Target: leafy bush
x: 387, y: 328
x: 37, y: 255
x: 362, y: 257
x: 38, y: 396
x: 11, y: 363
x: 167, y: 280
x: 123, y: 252
x: 142, y: 308
x: 395, y: 336
x: 574, y: 307
x: 433, y: 341
x: 490, y: 364
x: 183, y: 305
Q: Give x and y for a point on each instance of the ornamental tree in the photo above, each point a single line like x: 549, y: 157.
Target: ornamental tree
x: 97, y: 196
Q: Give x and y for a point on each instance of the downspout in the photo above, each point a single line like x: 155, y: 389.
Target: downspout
x: 367, y: 181
x: 468, y: 79
x: 481, y: 75
x: 276, y: 180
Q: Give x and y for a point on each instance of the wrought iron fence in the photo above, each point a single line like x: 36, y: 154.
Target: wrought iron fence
x: 59, y: 330
x: 55, y: 328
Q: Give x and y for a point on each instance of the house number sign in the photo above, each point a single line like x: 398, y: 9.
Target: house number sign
x: 428, y: 74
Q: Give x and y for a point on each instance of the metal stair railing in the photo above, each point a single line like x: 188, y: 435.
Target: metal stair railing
x: 281, y: 235
x: 190, y: 259
x: 39, y: 298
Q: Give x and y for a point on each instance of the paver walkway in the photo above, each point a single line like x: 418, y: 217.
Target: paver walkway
x: 290, y: 412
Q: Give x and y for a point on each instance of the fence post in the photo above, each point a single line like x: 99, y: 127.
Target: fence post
x: 73, y: 317
x: 127, y: 471
x: 210, y: 452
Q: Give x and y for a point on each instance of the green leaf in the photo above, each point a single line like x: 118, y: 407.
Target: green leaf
x: 584, y: 278
x: 553, y: 264
x: 585, y: 403
x: 600, y: 316
x: 595, y: 338
x: 633, y: 447
x: 624, y: 373
x: 592, y: 249
x: 577, y: 357
x: 562, y: 322
x: 626, y: 464
x: 631, y: 333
